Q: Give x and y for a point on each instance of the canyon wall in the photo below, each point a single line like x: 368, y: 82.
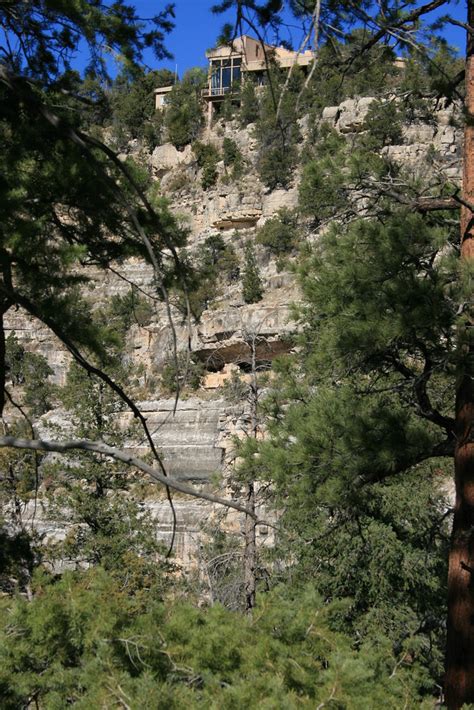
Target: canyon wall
x: 196, y: 437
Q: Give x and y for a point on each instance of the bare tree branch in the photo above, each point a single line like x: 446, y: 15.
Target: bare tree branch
x: 22, y: 86
x: 99, y: 447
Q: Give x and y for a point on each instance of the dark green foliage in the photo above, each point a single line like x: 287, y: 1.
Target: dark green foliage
x: 133, y: 105
x: 233, y: 158
x: 367, y: 400
x: 277, y: 131
x: 18, y: 559
x: 383, y: 124
x: 370, y: 74
x: 276, y: 163
x: 230, y: 151
x: 280, y: 233
x: 216, y: 258
x: 215, y: 262
x: 335, y: 170
x: 83, y: 640
x: 183, y: 115
x: 125, y: 311
x: 184, y: 371
x: 249, y: 108
x: 431, y: 76
x: 227, y: 108
x: 99, y: 111
x: 207, y: 157
x: 382, y: 300
x: 252, y: 287
x: 322, y: 189
x: 31, y: 372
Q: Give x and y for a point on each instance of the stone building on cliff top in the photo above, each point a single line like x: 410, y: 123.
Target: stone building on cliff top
x: 229, y: 65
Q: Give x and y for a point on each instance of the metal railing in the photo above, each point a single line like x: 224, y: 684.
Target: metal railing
x: 209, y: 92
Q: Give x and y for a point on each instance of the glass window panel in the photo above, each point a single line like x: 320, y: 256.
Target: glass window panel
x: 235, y: 74
x: 226, y: 77
x: 237, y: 62
x: 215, y: 79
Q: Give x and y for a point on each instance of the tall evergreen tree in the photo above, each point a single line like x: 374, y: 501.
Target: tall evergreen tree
x: 368, y: 398
x: 397, y: 24
x: 252, y: 287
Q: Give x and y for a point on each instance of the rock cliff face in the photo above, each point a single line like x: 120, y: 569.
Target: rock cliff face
x: 196, y: 438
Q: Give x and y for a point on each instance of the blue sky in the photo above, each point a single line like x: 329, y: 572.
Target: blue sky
x: 197, y: 28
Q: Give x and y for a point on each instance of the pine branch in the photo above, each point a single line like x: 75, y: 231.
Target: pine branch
x: 445, y: 449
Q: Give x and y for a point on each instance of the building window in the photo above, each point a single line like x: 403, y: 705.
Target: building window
x: 224, y: 73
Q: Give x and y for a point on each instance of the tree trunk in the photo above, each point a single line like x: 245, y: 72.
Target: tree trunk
x: 2, y: 366
x: 459, y: 684
x: 3, y: 371
x: 250, y: 553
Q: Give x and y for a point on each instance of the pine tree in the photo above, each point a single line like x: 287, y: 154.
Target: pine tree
x: 365, y: 400
x: 398, y: 23
x: 65, y: 197
x: 184, y: 117
x: 460, y: 646
x: 252, y: 287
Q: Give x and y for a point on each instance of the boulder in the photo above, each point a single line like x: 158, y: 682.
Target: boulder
x: 330, y: 114
x: 353, y: 113
x: 166, y: 157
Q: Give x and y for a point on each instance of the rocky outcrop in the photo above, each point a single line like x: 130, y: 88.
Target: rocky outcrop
x: 166, y: 157
x: 439, y: 138
x: 223, y: 335
x: 186, y: 433
x: 196, y: 437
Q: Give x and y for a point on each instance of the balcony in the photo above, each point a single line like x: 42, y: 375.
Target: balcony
x: 216, y: 92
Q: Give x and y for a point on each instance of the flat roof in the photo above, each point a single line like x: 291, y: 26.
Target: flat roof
x: 163, y: 89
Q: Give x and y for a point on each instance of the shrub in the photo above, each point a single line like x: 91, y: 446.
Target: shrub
x: 248, y: 104
x: 230, y: 151
x: 213, y: 261
x: 183, y: 116
x: 280, y: 233
x: 178, y: 181
x: 252, y: 287
x: 275, y: 166
x: 84, y: 640
x: 277, y: 132
x: 31, y: 371
x: 233, y: 157
x: 207, y: 157
x: 219, y: 258
x: 129, y: 309
x: 383, y: 124
x: 133, y: 106
x: 184, y: 371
